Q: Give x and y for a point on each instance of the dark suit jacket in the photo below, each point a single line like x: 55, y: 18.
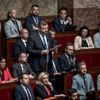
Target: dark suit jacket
x: 62, y: 28
x: 19, y: 93
x: 65, y: 65
x: 19, y: 47
x: 16, y: 69
x: 35, y: 46
x: 41, y: 92
x: 56, y: 65
x: 30, y: 22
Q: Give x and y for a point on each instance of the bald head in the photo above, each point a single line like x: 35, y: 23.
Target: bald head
x: 13, y: 14
x: 24, y: 33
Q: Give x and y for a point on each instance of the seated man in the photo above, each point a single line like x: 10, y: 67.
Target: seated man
x: 98, y: 82
x: 82, y: 81
x: 72, y: 94
x: 68, y: 61
x: 22, y: 66
x: 12, y: 26
x: 96, y: 38
x: 53, y: 34
x: 23, y: 91
x: 63, y: 23
x: 21, y: 43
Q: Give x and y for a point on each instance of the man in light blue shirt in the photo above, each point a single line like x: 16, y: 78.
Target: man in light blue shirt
x: 96, y: 38
x: 82, y: 81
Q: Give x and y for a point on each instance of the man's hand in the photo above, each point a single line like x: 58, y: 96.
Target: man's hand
x: 34, y: 27
x: 44, y: 52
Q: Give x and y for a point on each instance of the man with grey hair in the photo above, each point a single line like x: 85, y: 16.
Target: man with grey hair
x: 21, y: 43
x: 82, y: 81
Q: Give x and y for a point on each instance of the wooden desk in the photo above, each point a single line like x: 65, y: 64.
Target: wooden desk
x: 93, y: 95
x: 91, y: 56
x: 65, y: 38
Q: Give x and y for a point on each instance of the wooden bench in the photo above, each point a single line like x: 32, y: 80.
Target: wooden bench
x: 7, y: 89
x: 91, y: 56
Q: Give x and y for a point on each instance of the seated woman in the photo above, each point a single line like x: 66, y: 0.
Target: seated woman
x: 63, y: 22
x: 44, y: 88
x: 83, y: 40
x: 5, y: 76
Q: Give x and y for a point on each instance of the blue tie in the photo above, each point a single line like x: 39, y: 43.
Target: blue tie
x: 36, y: 21
x: 29, y: 96
x: 44, y: 42
x: 85, y: 84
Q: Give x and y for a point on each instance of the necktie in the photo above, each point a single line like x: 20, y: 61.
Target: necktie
x: 25, y: 44
x: 54, y: 67
x: 44, y: 42
x: 85, y: 84
x: 29, y: 96
x: 63, y: 27
x: 36, y: 21
x: 16, y: 25
x: 23, y: 68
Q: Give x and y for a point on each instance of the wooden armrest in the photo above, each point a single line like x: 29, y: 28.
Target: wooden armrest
x: 50, y: 98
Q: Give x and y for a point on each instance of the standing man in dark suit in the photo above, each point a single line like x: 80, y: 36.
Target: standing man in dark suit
x: 21, y: 43
x: 22, y: 66
x: 38, y: 44
x: 13, y: 26
x: 33, y: 20
x: 68, y: 61
x: 23, y: 91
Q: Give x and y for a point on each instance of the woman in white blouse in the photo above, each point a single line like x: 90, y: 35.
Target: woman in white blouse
x: 83, y: 40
